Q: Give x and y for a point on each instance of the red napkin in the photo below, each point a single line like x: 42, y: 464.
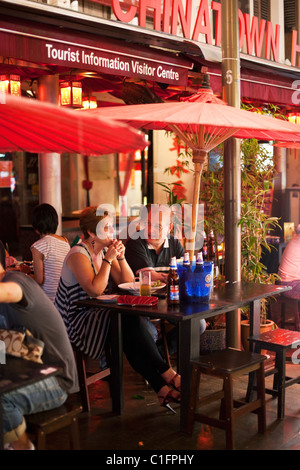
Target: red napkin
x: 137, y: 300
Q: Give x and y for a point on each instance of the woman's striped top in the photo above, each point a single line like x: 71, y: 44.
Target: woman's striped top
x: 87, y: 327
x: 54, y: 251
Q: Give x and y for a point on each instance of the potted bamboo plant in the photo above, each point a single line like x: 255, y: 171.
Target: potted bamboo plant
x: 257, y: 177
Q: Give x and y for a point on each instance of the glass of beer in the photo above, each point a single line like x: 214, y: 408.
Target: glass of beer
x: 145, y: 282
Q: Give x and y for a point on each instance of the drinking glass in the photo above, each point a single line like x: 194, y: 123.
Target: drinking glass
x: 145, y: 282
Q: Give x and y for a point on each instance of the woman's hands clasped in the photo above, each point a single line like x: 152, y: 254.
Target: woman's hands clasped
x: 115, y: 250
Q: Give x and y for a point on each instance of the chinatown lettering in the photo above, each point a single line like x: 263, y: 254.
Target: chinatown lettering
x: 115, y: 63
x: 169, y: 15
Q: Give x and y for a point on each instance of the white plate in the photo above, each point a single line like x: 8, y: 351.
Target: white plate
x: 135, y: 287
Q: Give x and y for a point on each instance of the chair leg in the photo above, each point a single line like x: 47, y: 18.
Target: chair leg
x: 252, y: 382
x: 81, y: 371
x: 228, y: 412
x: 279, y: 382
x: 74, y: 433
x: 41, y: 440
x: 261, y: 414
x: 222, y: 412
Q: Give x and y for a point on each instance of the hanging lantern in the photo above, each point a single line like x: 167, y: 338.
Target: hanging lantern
x: 71, y: 94
x: 10, y: 84
x: 89, y: 102
x: 294, y: 117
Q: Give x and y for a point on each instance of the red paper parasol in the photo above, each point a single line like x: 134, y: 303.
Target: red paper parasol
x: 203, y: 121
x: 35, y: 126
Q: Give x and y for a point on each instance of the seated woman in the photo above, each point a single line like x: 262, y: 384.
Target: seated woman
x: 49, y: 252
x: 87, y: 271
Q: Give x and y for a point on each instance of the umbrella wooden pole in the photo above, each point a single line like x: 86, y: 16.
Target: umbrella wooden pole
x: 199, y: 158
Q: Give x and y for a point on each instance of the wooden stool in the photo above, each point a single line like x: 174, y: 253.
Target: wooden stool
x: 227, y: 365
x: 280, y: 341
x: 86, y: 378
x: 46, y: 422
x: 285, y: 312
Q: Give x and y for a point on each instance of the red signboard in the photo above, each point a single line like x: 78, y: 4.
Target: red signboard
x: 48, y: 45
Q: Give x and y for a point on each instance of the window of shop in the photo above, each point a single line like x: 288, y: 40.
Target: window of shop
x: 291, y: 23
x: 261, y: 9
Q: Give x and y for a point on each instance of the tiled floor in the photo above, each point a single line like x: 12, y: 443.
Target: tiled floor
x: 146, y: 426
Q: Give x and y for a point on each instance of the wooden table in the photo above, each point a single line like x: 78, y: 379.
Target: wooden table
x: 225, y: 298
x: 17, y: 373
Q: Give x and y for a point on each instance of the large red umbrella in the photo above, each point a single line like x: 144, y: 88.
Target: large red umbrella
x: 203, y: 121
x: 288, y: 145
x: 40, y: 127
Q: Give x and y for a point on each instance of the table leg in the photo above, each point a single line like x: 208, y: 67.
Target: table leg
x: 116, y: 370
x: 188, y: 348
x: 254, y: 319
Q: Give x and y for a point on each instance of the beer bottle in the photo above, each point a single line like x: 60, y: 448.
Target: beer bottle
x: 199, y: 263
x: 173, y: 283
x: 186, y: 262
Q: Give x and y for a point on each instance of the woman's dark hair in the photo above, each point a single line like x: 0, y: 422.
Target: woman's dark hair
x: 45, y: 219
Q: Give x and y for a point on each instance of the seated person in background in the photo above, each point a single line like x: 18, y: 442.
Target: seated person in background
x: 23, y: 303
x: 87, y: 271
x: 289, y: 268
x: 49, y: 252
x: 154, y: 248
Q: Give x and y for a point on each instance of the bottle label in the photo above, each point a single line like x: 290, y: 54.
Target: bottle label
x: 174, y: 293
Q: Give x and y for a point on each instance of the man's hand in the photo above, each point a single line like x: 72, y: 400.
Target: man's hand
x: 155, y: 276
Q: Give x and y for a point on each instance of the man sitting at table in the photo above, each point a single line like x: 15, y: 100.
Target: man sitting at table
x: 153, y: 247
x: 23, y: 303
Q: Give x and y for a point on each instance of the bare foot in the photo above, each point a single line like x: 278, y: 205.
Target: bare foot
x: 172, y: 378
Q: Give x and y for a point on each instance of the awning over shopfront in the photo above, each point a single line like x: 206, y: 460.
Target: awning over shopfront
x: 71, y: 43
x: 260, y: 87
x: 262, y: 81
x: 68, y: 50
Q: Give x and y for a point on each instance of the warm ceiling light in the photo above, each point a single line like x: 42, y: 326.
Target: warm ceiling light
x: 71, y: 94
x: 89, y: 102
x: 10, y: 84
x: 294, y: 117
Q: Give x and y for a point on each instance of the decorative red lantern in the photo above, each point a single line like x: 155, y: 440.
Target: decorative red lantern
x: 71, y: 94
x: 10, y: 84
x: 294, y: 117
x: 89, y: 102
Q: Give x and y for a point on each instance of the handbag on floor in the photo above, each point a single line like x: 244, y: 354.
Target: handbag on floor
x: 21, y: 343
